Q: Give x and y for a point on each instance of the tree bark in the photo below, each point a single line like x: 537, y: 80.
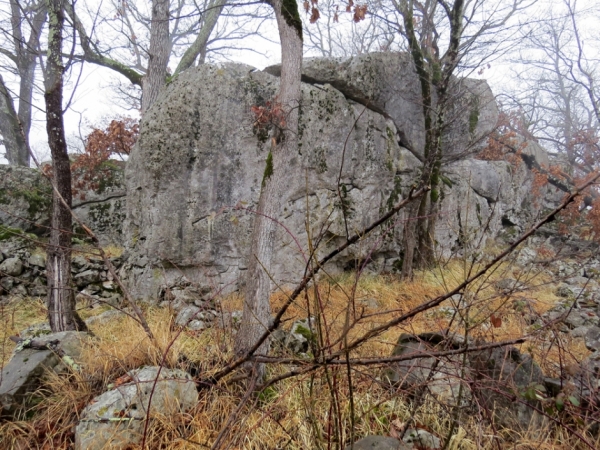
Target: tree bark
x: 62, y: 313
x: 257, y: 307
x: 159, y: 51
x: 10, y: 127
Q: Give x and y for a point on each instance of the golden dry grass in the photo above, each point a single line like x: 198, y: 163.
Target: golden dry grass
x: 311, y: 410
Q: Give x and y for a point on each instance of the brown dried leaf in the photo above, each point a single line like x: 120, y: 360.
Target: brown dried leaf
x: 314, y: 16
x: 496, y: 321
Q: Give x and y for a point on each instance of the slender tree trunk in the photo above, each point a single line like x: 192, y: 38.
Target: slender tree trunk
x: 409, y: 242
x: 434, y: 72
x: 198, y: 47
x: 15, y: 126
x: 61, y: 299
x: 159, y: 51
x: 10, y: 127
x: 257, y: 307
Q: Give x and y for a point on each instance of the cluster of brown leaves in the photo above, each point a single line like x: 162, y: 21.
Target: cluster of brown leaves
x: 268, y: 116
x: 88, y: 169
x: 358, y: 12
x: 312, y: 7
x: 504, y: 139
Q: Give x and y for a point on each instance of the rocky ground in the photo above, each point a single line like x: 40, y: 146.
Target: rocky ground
x: 548, y: 295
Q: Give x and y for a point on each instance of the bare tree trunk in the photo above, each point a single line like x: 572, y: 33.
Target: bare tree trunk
x: 257, y: 307
x: 10, y: 127
x: 409, y: 242
x: 198, y: 47
x: 15, y: 126
x: 159, y: 51
x: 61, y: 299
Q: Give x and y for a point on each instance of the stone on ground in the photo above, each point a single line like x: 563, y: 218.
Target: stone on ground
x: 116, y: 418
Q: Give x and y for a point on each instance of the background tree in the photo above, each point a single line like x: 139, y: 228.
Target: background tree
x: 557, y: 96
x: 446, y: 39
x: 143, y: 43
x: 20, y: 30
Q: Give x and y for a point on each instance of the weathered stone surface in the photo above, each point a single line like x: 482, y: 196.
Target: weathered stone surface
x: 193, y: 318
x: 378, y: 443
x: 571, y: 317
x: 86, y: 278
x: 441, y: 376
x: 388, y: 84
x: 21, y: 376
x: 174, y: 392
x: 592, y: 339
x: 26, y: 198
x: 505, y: 380
x: 12, y: 267
x: 25, y: 371
x: 190, y: 197
x: 37, y: 260
x: 422, y: 439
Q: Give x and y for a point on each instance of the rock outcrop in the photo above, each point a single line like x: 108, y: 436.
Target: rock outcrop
x: 194, y: 178
x: 26, y: 201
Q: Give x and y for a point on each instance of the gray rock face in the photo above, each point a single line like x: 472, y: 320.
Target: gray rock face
x: 190, y: 196
x: 387, y: 83
x: 86, y: 277
x: 174, y: 392
x: 217, y: 162
x: 26, y: 198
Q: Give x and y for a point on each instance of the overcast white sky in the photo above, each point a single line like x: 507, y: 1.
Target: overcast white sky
x: 94, y: 98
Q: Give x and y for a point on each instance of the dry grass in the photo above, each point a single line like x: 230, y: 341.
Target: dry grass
x: 311, y: 410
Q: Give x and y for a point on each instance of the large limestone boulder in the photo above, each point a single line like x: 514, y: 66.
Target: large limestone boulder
x: 195, y: 176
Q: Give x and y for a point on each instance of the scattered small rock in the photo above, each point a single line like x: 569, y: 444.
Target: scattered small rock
x: 12, y: 267
x: 422, y: 439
